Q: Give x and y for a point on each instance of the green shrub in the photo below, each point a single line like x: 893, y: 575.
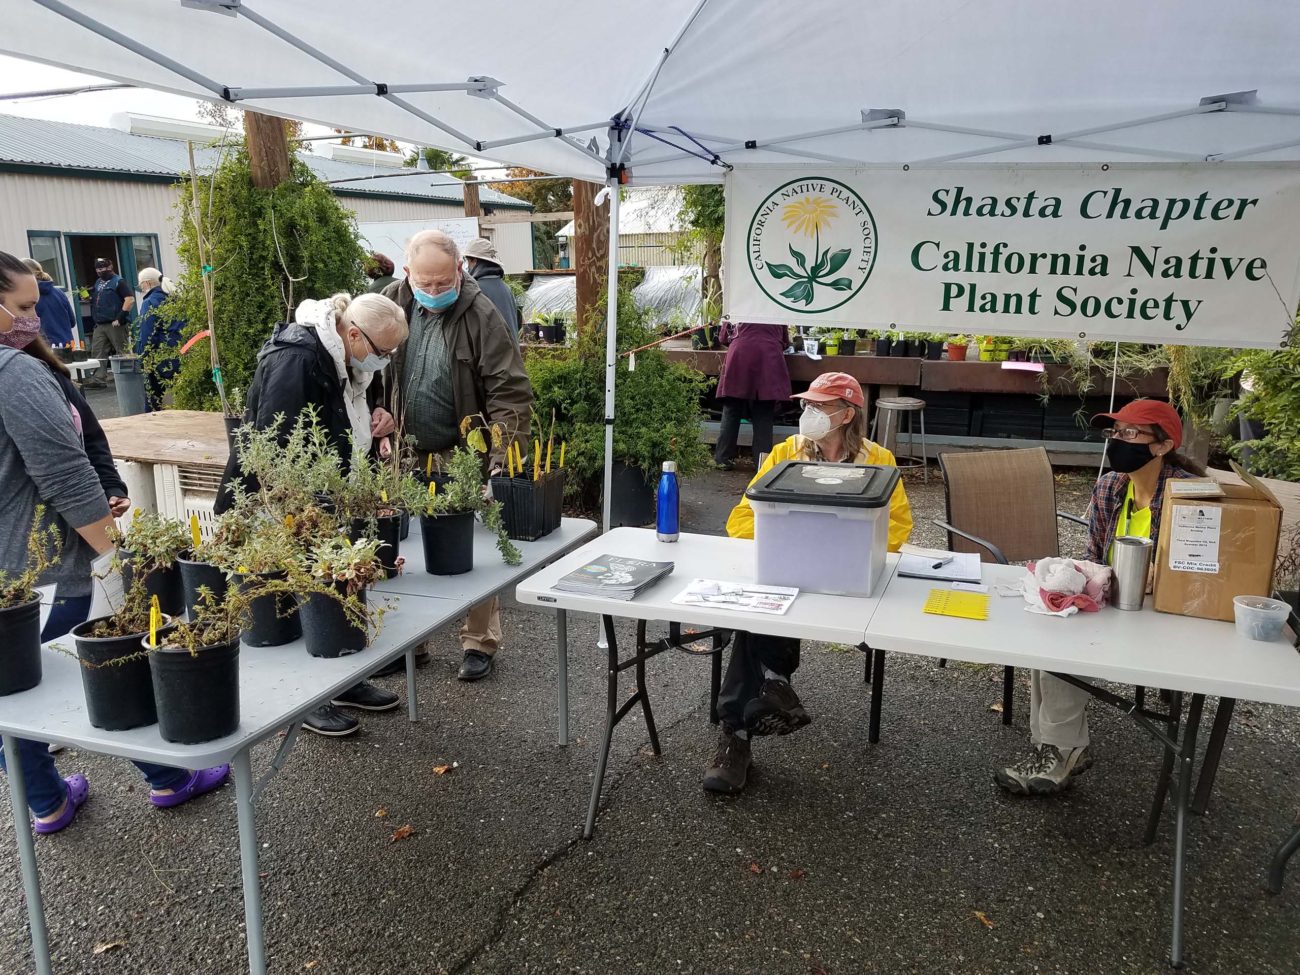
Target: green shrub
x: 268, y: 249
x: 1275, y: 402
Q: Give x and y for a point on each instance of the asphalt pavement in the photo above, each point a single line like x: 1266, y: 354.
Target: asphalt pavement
x: 841, y: 856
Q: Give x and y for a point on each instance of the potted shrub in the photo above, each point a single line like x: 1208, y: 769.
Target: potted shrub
x: 335, y: 617
x: 902, y: 344
x: 20, y: 610
x: 849, y: 342
x: 367, y: 500
x: 883, y: 341
x: 957, y: 345
x: 209, y: 563
x: 548, y: 326
x: 267, y: 558
x: 114, y: 667
x: 934, y: 345
x: 150, y: 548
x: 447, y: 516
x: 531, y: 494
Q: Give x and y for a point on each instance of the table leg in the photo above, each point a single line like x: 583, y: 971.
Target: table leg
x: 611, y: 717
x: 877, y: 687
x: 562, y: 666
x: 27, y: 857
x: 1277, y: 866
x: 1008, y: 694
x: 868, y: 653
x: 640, y: 684
x: 242, y: 768
x: 412, y: 703
x: 1213, y: 753
x: 1166, y: 768
x: 715, y: 681
x: 1186, y: 755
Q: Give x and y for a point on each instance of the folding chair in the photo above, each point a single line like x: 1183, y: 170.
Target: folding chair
x: 1001, y: 504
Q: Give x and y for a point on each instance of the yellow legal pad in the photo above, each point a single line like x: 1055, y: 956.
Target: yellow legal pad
x: 963, y: 605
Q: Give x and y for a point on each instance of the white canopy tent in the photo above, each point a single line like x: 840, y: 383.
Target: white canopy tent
x: 681, y: 91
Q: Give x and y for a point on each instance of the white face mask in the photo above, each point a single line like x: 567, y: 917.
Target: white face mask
x: 814, y: 424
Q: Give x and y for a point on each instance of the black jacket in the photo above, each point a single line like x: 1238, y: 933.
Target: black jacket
x: 93, y: 439
x: 294, y: 371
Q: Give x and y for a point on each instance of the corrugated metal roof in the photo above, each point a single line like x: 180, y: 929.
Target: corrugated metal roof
x: 65, y: 145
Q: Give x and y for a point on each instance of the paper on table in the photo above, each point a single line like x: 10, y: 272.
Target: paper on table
x: 770, y: 600
x: 963, y: 567
x: 107, y: 591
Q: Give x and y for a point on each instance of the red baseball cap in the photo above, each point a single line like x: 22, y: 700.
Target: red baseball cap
x: 832, y: 386
x: 1146, y: 413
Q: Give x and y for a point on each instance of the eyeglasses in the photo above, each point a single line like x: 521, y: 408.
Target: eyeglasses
x: 1127, y: 434
x: 374, y: 348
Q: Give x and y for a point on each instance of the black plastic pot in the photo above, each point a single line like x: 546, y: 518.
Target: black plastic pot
x: 933, y: 349
x: 197, y: 695
x: 530, y: 331
x: 198, y: 575
x: 388, y: 529
x: 883, y: 346
x: 448, y: 543
x: 119, y: 696
x: 848, y: 346
x: 529, y: 509
x: 80, y: 355
x: 326, y: 629
x: 547, y: 333
x: 633, y: 498
x: 272, y: 619
x: 559, y: 332
x: 20, y: 647
x: 406, y: 526
x: 1017, y: 355
x: 164, y: 583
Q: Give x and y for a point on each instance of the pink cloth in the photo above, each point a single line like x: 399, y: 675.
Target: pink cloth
x: 1057, y: 601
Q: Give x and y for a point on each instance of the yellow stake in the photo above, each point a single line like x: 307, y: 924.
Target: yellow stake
x: 433, y: 487
x: 537, y: 459
x: 549, y: 444
x: 563, y: 444
x: 135, y: 515
x: 383, y: 496
x: 519, y: 459
x: 510, y: 462
x: 428, y: 466
x: 288, y: 522
x: 155, y: 620
x: 194, y: 530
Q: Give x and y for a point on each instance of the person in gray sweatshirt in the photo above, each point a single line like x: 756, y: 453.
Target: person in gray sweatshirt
x: 43, y: 462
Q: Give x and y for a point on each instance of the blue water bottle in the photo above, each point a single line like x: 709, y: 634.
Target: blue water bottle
x: 669, y: 504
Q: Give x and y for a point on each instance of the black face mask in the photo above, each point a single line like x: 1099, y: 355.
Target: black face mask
x: 1128, y: 457
x: 105, y: 272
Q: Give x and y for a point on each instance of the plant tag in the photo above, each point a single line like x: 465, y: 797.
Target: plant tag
x: 383, y: 496
x: 433, y: 487
x: 288, y: 522
x: 195, y: 535
x: 135, y: 516
x: 631, y: 362
x: 107, y: 591
x: 155, y: 621
x: 428, y: 466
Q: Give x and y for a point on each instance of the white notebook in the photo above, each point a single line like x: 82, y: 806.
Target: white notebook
x: 964, y: 567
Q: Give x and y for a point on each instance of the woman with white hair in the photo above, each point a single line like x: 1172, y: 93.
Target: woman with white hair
x: 157, y: 332
x: 326, y: 358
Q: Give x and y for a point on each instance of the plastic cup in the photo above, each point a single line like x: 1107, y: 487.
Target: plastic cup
x: 1259, y: 617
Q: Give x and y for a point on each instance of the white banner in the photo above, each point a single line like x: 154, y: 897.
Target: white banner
x: 1178, y: 254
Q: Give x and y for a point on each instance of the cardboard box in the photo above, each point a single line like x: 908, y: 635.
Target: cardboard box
x: 1212, y: 549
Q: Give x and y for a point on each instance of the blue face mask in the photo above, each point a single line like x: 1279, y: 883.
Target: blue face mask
x: 438, y: 302
x: 371, y: 363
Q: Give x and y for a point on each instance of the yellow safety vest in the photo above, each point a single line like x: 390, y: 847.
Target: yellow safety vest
x: 1133, y: 523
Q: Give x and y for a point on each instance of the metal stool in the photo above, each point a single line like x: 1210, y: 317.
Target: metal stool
x: 892, y: 408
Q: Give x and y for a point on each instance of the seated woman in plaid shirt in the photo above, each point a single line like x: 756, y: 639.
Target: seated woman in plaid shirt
x: 1144, y: 439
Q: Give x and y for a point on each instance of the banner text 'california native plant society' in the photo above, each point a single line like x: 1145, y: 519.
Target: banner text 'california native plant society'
x: 1183, y: 254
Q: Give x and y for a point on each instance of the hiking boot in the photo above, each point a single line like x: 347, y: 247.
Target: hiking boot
x: 730, y: 767
x: 328, y: 720
x: 367, y: 697
x: 1045, y: 772
x: 776, y: 710
x: 475, y: 665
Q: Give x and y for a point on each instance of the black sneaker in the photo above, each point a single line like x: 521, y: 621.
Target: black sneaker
x: 475, y: 666
x: 367, y: 697
x: 330, y: 721
x: 730, y: 768
x: 398, y: 666
x: 776, y: 710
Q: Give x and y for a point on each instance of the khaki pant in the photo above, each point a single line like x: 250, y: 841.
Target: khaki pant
x: 481, y: 630
x: 1058, y: 712
x: 107, y: 339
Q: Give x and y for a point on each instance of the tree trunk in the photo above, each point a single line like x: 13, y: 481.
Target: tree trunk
x: 591, y: 249
x: 473, y: 208
x: 268, y: 149
x: 712, y: 283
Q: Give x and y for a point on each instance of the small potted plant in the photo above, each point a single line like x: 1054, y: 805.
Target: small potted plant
x: 335, y: 617
x: 366, y: 500
x: 531, y: 491
x: 114, y: 668
x: 151, y: 546
x: 20, y: 610
x: 209, y: 563
x: 883, y: 341
x: 548, y: 326
x: 266, y: 558
x: 849, y: 342
x: 957, y: 345
x: 934, y: 345
x: 447, y: 516
x: 902, y: 345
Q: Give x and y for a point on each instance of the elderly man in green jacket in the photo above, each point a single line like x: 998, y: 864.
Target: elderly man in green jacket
x: 460, y: 360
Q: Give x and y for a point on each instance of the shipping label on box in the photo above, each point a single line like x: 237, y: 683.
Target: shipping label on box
x: 1194, y: 538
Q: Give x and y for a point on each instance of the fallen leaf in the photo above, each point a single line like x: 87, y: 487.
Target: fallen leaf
x: 996, y: 707
x: 798, y: 873
x: 826, y: 764
x: 381, y: 812
x: 401, y: 833
x: 263, y: 876
x: 983, y: 919
x: 754, y: 868
x: 444, y: 769
x: 310, y: 965
x: 108, y: 946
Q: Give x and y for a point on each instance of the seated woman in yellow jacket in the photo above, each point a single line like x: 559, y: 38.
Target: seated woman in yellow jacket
x: 756, y: 696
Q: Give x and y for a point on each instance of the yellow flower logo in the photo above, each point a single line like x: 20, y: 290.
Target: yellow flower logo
x: 808, y: 215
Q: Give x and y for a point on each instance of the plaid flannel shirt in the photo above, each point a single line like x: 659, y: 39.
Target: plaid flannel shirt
x: 1108, y: 498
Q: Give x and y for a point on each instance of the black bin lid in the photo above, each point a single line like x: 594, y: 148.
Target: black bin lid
x: 832, y: 485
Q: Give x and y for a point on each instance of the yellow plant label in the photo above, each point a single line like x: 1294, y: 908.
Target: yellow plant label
x: 155, y: 621
x: 195, y: 535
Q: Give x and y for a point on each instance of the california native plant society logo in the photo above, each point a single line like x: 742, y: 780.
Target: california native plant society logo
x: 812, y: 244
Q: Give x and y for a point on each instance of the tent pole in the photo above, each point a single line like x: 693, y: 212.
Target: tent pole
x: 611, y: 350
x: 1114, y: 380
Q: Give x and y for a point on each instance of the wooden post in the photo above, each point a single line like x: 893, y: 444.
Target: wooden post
x: 473, y: 208
x: 268, y: 149
x: 591, y: 249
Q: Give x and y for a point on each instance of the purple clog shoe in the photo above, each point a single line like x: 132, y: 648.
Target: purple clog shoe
x: 204, y: 780
x: 78, y: 791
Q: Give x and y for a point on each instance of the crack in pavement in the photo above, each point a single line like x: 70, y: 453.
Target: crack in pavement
x: 612, y: 784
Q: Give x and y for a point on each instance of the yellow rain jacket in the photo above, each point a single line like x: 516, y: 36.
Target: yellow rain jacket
x: 740, y: 524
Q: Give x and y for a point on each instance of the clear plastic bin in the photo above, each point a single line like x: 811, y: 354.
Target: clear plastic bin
x: 1259, y: 617
x: 822, y: 527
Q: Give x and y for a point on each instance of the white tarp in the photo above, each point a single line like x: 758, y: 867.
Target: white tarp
x: 390, y: 237
x: 1180, y: 254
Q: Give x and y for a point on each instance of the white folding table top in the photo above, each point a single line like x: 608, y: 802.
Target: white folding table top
x: 1145, y: 648
x: 835, y: 619
x: 276, y: 685
x: 490, y: 574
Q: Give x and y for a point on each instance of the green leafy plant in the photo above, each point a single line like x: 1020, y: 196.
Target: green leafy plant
x: 270, y: 547
x: 131, y: 617
x: 462, y: 492
x: 1274, y: 401
x: 43, y: 542
x: 338, y: 560
x: 290, y: 466
x: 816, y: 268
x: 155, y: 542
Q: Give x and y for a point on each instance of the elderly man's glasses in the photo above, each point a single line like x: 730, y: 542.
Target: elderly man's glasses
x: 1129, y: 435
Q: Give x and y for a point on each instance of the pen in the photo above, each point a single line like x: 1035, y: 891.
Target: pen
x: 940, y: 564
